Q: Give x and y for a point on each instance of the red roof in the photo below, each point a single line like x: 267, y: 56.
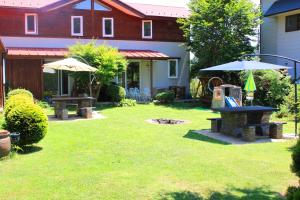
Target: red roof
x: 60, y: 52
x: 27, y: 3
x: 134, y: 9
x: 161, y: 11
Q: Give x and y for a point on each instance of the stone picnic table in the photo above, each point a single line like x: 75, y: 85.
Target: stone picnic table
x: 235, y: 120
x: 61, y: 103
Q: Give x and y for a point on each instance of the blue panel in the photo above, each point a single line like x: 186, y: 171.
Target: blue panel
x: 86, y: 5
x: 98, y: 6
x: 282, y: 6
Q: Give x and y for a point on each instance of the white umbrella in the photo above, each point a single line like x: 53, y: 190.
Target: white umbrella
x: 244, y: 65
x: 70, y: 64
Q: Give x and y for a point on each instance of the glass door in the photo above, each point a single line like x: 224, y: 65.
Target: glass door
x: 133, y: 75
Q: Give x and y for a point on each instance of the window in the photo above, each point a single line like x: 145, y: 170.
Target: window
x: 147, y: 29
x: 292, y: 23
x: 108, y: 27
x: 31, y: 24
x: 77, y: 25
x: 86, y: 5
x: 173, y: 68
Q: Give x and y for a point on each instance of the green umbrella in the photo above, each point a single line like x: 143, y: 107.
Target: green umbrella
x: 250, y: 84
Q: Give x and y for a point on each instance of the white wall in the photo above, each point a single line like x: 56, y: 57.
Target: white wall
x: 268, y: 33
x: 276, y: 41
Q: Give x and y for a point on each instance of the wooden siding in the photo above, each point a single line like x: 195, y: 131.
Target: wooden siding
x: 1, y: 80
x: 25, y: 73
x: 57, y: 23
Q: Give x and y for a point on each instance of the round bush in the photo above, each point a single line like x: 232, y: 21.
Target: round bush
x: 30, y: 121
x: 16, y: 100
x: 116, y: 93
x: 19, y: 91
x: 165, y: 97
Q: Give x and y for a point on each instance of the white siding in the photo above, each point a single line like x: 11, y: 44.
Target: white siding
x: 268, y: 32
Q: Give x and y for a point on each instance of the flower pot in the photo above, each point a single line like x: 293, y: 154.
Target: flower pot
x: 5, y: 144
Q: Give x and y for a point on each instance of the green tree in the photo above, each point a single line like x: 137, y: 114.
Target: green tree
x: 106, y: 59
x: 219, y: 31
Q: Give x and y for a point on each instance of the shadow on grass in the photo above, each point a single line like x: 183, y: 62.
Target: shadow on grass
x: 259, y: 193
x: 195, y: 136
x: 29, y: 149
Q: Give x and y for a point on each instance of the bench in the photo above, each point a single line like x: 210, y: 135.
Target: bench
x: 272, y: 130
x: 216, y: 124
x: 276, y: 130
x: 62, y: 114
x: 86, y: 112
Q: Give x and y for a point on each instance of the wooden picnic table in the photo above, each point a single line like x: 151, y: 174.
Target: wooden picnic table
x: 234, y: 120
x: 60, y: 104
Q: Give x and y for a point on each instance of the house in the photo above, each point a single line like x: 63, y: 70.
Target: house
x: 280, y: 31
x: 34, y: 32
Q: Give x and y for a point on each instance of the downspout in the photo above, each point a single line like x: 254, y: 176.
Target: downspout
x: 93, y: 17
x: 4, y: 86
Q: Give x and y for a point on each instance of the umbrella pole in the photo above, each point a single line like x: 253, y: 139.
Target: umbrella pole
x: 90, y: 84
x: 296, y: 99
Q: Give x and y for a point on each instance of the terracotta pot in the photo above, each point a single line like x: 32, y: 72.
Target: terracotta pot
x: 5, y: 144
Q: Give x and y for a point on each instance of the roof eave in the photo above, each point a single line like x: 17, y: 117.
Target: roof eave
x: 278, y: 13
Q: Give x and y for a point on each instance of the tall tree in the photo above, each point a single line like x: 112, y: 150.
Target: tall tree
x: 219, y: 31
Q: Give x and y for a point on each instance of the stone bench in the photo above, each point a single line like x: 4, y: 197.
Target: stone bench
x: 276, y: 130
x: 216, y: 124
x: 62, y: 114
x: 87, y: 112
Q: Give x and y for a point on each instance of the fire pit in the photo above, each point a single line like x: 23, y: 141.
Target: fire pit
x: 166, y: 121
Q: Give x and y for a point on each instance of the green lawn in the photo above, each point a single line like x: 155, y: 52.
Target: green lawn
x: 123, y: 157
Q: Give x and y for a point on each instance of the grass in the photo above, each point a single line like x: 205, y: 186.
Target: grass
x: 123, y: 157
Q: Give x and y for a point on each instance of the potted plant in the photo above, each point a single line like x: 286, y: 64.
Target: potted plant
x: 5, y: 143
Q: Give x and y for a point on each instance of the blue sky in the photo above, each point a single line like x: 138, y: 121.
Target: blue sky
x: 167, y: 2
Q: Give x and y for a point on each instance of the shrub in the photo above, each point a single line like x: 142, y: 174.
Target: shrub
x: 116, y: 93
x: 16, y: 100
x: 293, y: 193
x: 272, y: 87
x: 296, y: 159
x: 127, y: 103
x: 29, y: 120
x: 165, y: 97
x: 19, y: 91
x: 43, y: 104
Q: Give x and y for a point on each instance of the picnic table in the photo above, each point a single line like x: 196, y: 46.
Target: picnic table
x: 235, y: 120
x: 61, y: 103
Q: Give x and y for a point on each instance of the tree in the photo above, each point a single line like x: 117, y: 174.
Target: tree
x: 106, y: 59
x: 219, y: 31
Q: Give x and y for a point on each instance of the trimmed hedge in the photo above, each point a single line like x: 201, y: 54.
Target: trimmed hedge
x: 29, y: 120
x: 116, y: 93
x: 16, y: 100
x: 165, y: 97
x: 18, y: 92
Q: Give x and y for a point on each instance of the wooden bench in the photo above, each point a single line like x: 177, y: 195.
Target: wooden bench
x: 216, y: 124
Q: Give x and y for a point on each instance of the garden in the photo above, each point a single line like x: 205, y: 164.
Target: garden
x: 124, y: 157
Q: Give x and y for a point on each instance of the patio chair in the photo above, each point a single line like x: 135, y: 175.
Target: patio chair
x: 146, y: 95
x: 231, y: 102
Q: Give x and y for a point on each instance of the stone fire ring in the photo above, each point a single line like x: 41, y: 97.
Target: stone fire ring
x: 162, y: 121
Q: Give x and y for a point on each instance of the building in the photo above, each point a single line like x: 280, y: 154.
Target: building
x: 34, y: 32
x: 280, y: 31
